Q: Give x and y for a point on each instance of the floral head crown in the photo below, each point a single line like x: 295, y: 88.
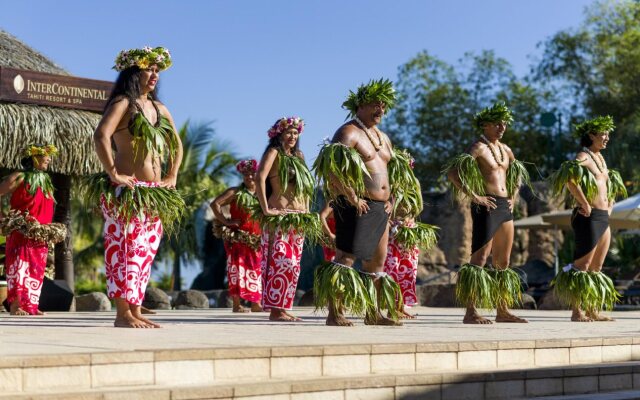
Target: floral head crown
x: 143, y: 58
x: 496, y: 113
x: 40, y: 150
x: 596, y: 125
x: 373, y: 92
x: 247, y: 166
x: 284, y: 124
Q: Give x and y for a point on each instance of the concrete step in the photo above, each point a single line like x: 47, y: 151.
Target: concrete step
x: 212, y: 366
x: 624, y: 395
x: 574, y: 381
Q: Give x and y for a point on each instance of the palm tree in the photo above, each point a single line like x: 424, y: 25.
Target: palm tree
x: 207, y: 163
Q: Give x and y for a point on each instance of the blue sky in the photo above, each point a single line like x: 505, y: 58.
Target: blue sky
x: 243, y: 64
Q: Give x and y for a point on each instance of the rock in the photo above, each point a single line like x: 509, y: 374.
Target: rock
x: 96, y: 301
x: 538, y: 273
x: 298, y: 296
x: 224, y: 300
x: 549, y: 301
x: 528, y: 302
x: 190, y: 299
x: 437, y: 295
x: 156, y: 299
x: 307, y: 299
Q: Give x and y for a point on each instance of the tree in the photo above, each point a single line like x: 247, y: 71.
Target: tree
x: 437, y: 101
x: 206, y: 164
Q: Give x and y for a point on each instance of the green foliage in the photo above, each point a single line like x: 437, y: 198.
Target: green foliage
x: 508, y: 287
x: 155, y: 140
x: 608, y: 295
x: 577, y: 289
x: 517, y: 175
x: 38, y: 179
x: 164, y: 282
x: 405, y: 187
x: 303, y: 181
x: 307, y: 224
x: 499, y: 112
x: 245, y: 199
x: 375, y: 91
x: 594, y: 126
x: 573, y: 171
x: 337, y: 162
x: 615, y: 186
x: 475, y: 287
x: 388, y: 296
x: 340, y: 287
x: 85, y: 286
x: 423, y: 236
x: 469, y: 174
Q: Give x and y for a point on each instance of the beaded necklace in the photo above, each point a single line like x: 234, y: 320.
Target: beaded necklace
x: 493, y: 153
x: 601, y: 167
x: 366, y: 130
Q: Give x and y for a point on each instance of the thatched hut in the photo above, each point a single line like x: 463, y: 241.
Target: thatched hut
x: 70, y: 130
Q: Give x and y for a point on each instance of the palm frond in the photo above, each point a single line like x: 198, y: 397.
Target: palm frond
x: 517, y: 175
x: 573, y: 171
x: 615, y: 186
x: 341, y: 287
x: 468, y: 171
x: 423, y: 236
x: 508, y: 287
x: 339, y: 163
x: 475, y: 287
x: 405, y: 187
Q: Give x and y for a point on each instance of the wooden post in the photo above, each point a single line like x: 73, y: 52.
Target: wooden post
x: 62, y: 214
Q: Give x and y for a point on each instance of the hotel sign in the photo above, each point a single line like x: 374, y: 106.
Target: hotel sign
x: 22, y: 86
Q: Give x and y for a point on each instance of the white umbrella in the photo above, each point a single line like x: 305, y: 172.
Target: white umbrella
x: 628, y: 209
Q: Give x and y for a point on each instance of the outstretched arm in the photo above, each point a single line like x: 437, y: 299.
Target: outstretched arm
x: 102, y: 141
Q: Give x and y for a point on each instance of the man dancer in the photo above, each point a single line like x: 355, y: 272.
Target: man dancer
x: 490, y: 175
x: 354, y: 172
x: 138, y: 204
x: 592, y: 188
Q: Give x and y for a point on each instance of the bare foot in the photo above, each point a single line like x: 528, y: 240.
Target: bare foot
x: 129, y: 321
x: 379, y: 319
x: 145, y: 310
x: 579, y: 316
x: 281, y: 316
x: 506, y: 316
x: 255, y: 307
x: 472, y: 317
x: 144, y: 320
x: 38, y: 312
x: 337, y: 319
x: 18, y: 311
x: 292, y: 316
x: 239, y: 309
x: 599, y: 317
x: 403, y: 314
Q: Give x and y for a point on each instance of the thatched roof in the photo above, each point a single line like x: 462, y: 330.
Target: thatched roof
x: 70, y: 130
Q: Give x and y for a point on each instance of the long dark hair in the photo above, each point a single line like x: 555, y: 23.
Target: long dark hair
x: 127, y: 86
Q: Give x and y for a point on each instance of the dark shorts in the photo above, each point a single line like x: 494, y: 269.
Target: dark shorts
x: 359, y: 234
x: 588, y: 230
x: 486, y: 222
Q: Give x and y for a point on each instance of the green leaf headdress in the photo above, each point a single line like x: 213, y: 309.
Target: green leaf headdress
x: 380, y: 90
x: 496, y: 113
x: 595, y: 125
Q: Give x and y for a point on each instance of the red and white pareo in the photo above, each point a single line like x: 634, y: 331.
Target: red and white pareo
x: 282, y: 252
x: 402, y: 265
x: 244, y: 269
x: 26, y: 259
x: 129, y: 250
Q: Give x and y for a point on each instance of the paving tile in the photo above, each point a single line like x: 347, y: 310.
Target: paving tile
x: 482, y: 359
x: 543, y: 387
x: 479, y: 345
x: 10, y: 380
x: 504, y: 390
x: 585, y: 355
x: 580, y: 384
x: 612, y: 341
x: 552, y: 343
x: 516, y: 344
x: 418, y: 379
x: 207, y: 392
x: 404, y: 362
x: 185, y: 354
x: 58, y: 360
x: 186, y: 372
x: 393, y: 348
x: 551, y: 356
x: 122, y: 374
x: 121, y: 357
x: 436, y: 361
x: 443, y: 347
x: 267, y: 397
x: 615, y: 382
x: 616, y: 353
x: 344, y: 365
x: 48, y: 378
x: 584, y: 342
x: 418, y: 392
x: 326, y: 395
x: 242, y: 369
x: 463, y: 391
x: 242, y: 352
x: 346, y: 349
x: 369, y: 394
x: 516, y: 358
x: 286, y: 367
x: 296, y: 351
x: 262, y: 389
x: 147, y: 394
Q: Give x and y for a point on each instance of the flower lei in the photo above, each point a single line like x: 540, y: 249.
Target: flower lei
x: 143, y: 58
x: 247, y: 166
x: 35, y: 150
x: 285, y: 123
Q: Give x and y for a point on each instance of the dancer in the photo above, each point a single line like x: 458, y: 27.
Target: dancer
x: 490, y: 176
x: 329, y: 229
x: 29, y: 229
x: 353, y: 170
x: 406, y: 235
x: 284, y: 189
x: 592, y: 187
x: 241, y: 236
x: 137, y: 203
